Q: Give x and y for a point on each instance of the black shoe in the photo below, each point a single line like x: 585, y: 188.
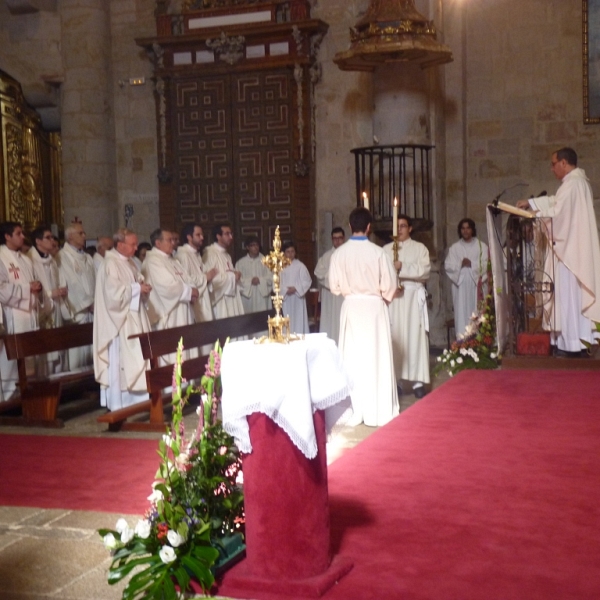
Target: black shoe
x: 419, y: 392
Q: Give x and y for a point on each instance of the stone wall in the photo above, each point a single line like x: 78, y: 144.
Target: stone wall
x: 343, y: 119
x: 135, y: 120
x: 514, y: 95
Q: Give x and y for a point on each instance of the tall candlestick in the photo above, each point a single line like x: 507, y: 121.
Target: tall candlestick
x: 365, y: 200
x: 395, y: 225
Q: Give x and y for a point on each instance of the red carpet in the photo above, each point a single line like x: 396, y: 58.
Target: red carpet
x: 486, y: 489
x: 97, y: 474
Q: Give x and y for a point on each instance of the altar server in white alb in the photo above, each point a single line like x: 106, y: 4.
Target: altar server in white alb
x: 575, y: 254
x: 466, y: 266
x: 21, y: 298
x: 331, y: 305
x: 408, y: 311
x: 363, y: 273
x: 225, y: 286
x: 295, y: 282
x: 256, y: 280
x: 119, y: 366
x: 190, y: 258
x: 77, y: 273
x: 46, y: 272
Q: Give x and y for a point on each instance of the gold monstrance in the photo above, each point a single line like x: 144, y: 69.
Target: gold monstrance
x: 279, y: 326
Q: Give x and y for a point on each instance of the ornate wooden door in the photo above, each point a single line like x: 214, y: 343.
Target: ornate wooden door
x: 234, y: 153
x: 234, y: 112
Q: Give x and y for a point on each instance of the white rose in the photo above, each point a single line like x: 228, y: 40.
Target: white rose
x: 142, y: 529
x: 459, y: 360
x: 127, y: 535
x: 121, y: 525
x: 476, y: 359
x: 452, y: 363
x: 463, y: 351
x: 110, y: 541
x: 493, y: 355
x: 167, y: 554
x: 174, y: 538
x: 439, y: 359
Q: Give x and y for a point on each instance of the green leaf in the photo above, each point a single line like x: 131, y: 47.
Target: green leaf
x: 183, y: 579
x: 117, y: 573
x: 201, y: 571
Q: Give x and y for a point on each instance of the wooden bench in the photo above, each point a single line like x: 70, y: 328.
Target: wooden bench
x: 39, y: 398
x: 156, y: 344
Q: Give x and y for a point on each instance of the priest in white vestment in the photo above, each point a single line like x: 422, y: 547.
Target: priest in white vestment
x: 466, y: 266
x: 21, y: 297
x: 46, y: 272
x: 362, y: 272
x: 256, y: 280
x: 295, y: 282
x: 575, y: 256
x: 103, y: 245
x: 225, y: 287
x: 408, y: 311
x: 191, y: 260
x: 172, y: 295
x: 119, y: 366
x: 77, y: 273
x: 331, y: 305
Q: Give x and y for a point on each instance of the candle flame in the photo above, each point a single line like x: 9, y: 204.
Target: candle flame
x: 395, y: 201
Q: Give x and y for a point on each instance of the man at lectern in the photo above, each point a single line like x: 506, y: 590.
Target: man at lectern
x: 576, y: 254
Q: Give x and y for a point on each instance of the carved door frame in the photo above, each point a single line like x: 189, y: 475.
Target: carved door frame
x: 269, y: 51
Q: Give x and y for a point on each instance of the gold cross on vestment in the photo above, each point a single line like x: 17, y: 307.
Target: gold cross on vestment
x: 14, y: 270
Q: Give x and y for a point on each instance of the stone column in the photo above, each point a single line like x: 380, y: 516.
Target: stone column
x: 87, y: 117
x: 401, y: 104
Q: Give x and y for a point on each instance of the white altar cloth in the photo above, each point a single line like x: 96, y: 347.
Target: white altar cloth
x: 287, y: 383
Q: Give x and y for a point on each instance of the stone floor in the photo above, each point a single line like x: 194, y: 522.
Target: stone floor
x: 57, y: 553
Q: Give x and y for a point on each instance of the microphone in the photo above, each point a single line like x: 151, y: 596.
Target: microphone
x: 542, y: 193
x: 520, y: 184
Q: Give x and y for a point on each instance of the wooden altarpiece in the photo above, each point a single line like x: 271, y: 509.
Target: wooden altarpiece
x: 30, y: 157
x: 234, y: 88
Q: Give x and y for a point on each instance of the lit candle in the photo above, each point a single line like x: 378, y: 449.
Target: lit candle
x: 395, y: 226
x: 365, y: 200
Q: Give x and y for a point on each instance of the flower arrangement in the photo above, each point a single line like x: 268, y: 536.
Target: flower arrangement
x: 476, y: 348
x: 195, y: 500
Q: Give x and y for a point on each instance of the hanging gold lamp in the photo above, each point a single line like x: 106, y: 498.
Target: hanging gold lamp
x: 392, y: 31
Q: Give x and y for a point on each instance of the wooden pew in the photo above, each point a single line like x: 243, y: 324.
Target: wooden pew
x: 39, y: 397
x: 158, y: 343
